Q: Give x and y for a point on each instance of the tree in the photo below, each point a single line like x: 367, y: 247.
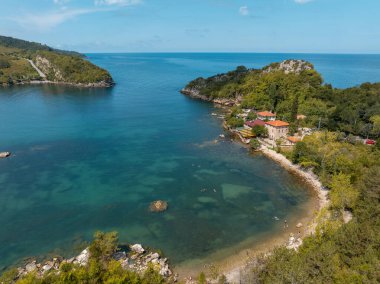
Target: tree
x: 343, y: 194
x: 376, y: 125
x: 103, y: 246
x: 300, y: 150
x: 255, y: 144
x: 241, y: 69
x: 294, y: 110
x: 202, y: 278
x: 235, y: 122
x: 260, y: 131
x: 274, y: 95
x: 251, y: 115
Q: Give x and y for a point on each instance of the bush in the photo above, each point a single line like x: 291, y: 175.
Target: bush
x: 255, y: 144
x: 104, y: 245
x: 202, y: 278
x: 235, y: 122
x: 260, y: 131
x: 4, y: 64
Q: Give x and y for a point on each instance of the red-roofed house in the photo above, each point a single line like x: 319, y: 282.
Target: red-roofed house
x: 277, y: 129
x: 293, y: 140
x: 266, y: 115
x: 253, y: 123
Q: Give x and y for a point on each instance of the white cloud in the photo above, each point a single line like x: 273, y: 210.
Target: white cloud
x: 47, y: 21
x: 117, y: 2
x: 302, y: 1
x: 61, y: 2
x: 50, y: 20
x: 244, y: 11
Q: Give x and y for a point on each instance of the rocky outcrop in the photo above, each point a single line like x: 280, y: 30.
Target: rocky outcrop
x: 137, y: 259
x: 137, y: 248
x: 289, y: 66
x: 195, y: 94
x: 158, y: 206
x: 49, y: 69
x: 294, y: 243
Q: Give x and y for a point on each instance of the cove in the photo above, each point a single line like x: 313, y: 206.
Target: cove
x: 93, y: 159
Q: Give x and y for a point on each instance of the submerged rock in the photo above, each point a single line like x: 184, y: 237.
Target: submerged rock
x: 158, y: 206
x: 4, y: 154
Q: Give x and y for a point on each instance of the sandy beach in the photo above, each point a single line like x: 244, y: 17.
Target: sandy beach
x: 233, y: 261
x: 234, y: 271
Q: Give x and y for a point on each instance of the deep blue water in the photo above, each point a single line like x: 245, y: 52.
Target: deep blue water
x: 93, y: 159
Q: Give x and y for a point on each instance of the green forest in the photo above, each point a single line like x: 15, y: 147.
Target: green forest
x: 343, y: 249
x: 354, y: 111
x: 57, y: 65
x: 340, y: 251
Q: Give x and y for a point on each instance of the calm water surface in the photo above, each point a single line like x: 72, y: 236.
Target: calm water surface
x: 87, y: 160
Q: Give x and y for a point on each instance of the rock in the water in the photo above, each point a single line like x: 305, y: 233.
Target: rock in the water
x: 46, y: 268
x: 158, y: 206
x: 137, y: 248
x: 4, y: 154
x: 82, y: 259
x: 30, y: 267
x: 299, y: 225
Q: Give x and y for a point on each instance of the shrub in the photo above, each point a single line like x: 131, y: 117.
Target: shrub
x: 235, y: 122
x: 4, y: 64
x: 255, y: 144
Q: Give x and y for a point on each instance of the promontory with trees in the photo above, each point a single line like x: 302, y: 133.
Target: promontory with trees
x: 24, y: 62
x: 345, y: 247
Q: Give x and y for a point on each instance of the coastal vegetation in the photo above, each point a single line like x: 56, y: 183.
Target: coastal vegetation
x: 54, y: 66
x: 291, y: 88
x: 345, y: 245
x: 342, y: 250
x: 101, y: 267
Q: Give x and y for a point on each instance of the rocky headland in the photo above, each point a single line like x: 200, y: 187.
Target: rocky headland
x: 23, y: 62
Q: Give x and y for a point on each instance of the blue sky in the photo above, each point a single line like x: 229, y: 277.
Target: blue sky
x: 312, y: 26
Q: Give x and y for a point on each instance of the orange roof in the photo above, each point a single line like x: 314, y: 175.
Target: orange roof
x: 277, y: 123
x: 265, y: 113
x: 294, y: 139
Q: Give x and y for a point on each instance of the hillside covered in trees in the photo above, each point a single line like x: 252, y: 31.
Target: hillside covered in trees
x: 342, y: 250
x: 345, y: 247
x: 294, y: 87
x: 56, y: 66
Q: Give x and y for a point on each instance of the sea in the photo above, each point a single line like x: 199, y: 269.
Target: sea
x: 87, y: 160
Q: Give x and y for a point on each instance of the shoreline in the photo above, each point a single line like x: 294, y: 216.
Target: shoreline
x: 233, y: 271
x: 233, y: 261
x: 233, y: 265
x: 102, y: 84
x: 309, y: 222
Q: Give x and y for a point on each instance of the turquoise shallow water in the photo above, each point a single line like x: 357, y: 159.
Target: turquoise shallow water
x: 87, y: 160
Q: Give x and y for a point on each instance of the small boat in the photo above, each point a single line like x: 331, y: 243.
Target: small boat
x: 5, y: 154
x: 221, y: 136
x: 214, y: 114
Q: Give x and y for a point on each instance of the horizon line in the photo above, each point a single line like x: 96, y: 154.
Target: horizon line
x: 222, y: 52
